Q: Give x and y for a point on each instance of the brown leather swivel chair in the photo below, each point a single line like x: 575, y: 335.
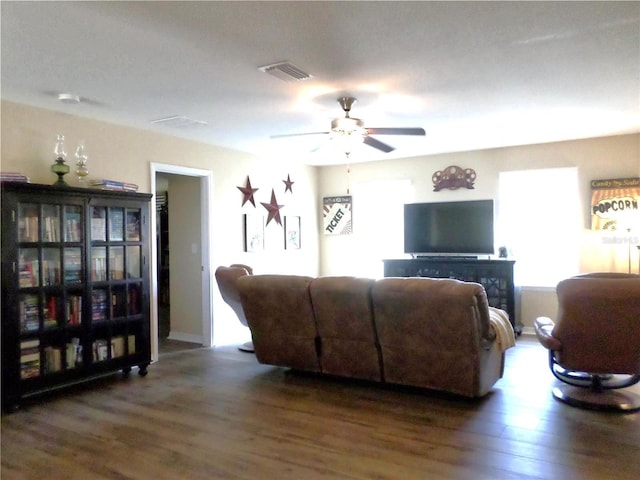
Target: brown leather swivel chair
x: 594, y: 345
x: 226, y: 278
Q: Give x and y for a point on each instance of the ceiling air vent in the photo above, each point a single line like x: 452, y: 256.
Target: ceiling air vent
x: 285, y: 71
x: 178, y: 121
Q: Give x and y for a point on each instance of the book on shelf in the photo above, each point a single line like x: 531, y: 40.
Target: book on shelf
x: 133, y: 298
x: 29, y: 358
x: 29, y: 271
x: 101, y: 349
x: 99, y: 304
x: 51, y: 312
x: 115, y: 185
x: 13, y: 177
x: 29, y: 313
x: 73, y: 227
x: 117, y: 346
x: 98, y: 226
x: 131, y: 344
x: 98, y: 267
x: 28, y: 227
x: 50, y: 272
x: 118, y: 303
x: 74, y: 310
x: 72, y: 265
x: 51, y: 231
x: 52, y: 359
x: 116, y: 265
x: 116, y: 224
x: 74, y: 353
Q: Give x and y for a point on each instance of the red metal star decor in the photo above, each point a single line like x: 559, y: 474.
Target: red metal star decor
x: 248, y: 192
x: 288, y: 184
x: 273, y: 208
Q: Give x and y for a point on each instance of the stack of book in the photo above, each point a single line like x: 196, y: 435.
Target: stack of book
x: 13, y: 177
x: 114, y: 185
x: 29, y: 314
x: 29, y: 358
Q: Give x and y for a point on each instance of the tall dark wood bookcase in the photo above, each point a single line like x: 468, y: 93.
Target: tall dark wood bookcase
x: 75, y: 286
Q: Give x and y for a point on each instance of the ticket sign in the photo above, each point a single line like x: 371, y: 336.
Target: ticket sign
x: 336, y: 215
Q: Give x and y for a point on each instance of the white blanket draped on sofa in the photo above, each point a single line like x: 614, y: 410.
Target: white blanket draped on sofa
x: 500, y: 323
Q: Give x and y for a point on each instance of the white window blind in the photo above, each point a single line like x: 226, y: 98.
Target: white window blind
x: 538, y: 220
x: 378, y: 224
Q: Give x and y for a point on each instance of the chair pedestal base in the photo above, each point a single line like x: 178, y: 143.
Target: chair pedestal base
x: 612, y: 400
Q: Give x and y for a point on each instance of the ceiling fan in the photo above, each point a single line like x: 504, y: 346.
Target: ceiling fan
x: 350, y: 131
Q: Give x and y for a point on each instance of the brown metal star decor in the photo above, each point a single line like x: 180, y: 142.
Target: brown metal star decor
x: 273, y: 208
x: 288, y: 184
x: 247, y: 192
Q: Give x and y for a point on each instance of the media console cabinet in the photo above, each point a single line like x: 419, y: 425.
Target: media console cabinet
x: 496, y: 276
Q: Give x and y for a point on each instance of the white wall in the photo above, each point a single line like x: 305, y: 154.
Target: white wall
x: 115, y: 152
x: 185, y: 264
x: 28, y: 135
x: 598, y: 158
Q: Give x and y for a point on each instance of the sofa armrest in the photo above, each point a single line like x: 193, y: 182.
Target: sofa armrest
x: 544, y: 332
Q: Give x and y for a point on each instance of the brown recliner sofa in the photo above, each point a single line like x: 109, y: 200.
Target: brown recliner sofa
x: 433, y: 333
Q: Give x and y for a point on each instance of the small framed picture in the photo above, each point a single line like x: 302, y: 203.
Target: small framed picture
x: 253, y: 233
x: 291, y: 232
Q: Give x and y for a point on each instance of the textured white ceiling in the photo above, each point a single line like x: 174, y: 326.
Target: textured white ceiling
x: 472, y: 74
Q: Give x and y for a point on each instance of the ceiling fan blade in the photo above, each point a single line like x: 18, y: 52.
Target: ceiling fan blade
x: 396, y: 131
x: 372, y: 142
x: 298, y: 134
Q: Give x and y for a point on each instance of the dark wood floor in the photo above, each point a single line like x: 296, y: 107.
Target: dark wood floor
x: 218, y: 414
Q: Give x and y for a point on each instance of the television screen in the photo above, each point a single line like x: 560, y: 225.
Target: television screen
x: 462, y: 228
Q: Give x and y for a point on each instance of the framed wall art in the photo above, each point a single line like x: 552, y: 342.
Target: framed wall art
x: 292, y: 239
x: 253, y: 232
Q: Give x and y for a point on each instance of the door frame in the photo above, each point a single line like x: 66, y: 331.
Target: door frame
x: 206, y: 194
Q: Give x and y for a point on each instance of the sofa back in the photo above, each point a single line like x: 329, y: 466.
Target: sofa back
x: 431, y: 333
x: 598, y: 323
x: 343, y: 310
x: 279, y: 313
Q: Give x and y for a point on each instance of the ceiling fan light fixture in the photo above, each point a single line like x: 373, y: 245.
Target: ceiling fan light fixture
x: 348, y: 133
x: 348, y: 126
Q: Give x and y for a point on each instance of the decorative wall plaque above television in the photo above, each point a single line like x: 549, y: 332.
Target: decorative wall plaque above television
x: 453, y: 177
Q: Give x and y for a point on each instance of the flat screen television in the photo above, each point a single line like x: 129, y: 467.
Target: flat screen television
x: 454, y: 228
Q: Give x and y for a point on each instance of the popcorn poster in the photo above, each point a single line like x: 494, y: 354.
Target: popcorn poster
x: 614, y: 204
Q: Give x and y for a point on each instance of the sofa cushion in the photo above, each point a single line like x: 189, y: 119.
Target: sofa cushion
x: 433, y: 334
x: 279, y: 313
x: 344, y: 317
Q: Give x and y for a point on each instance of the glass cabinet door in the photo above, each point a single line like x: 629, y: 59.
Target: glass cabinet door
x: 72, y: 265
x: 98, y: 224
x: 133, y: 261
x: 116, y: 263
x: 133, y: 225
x: 51, y: 266
x: 28, y: 222
x: 50, y: 223
x: 116, y: 224
x: 28, y: 267
x: 73, y: 223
